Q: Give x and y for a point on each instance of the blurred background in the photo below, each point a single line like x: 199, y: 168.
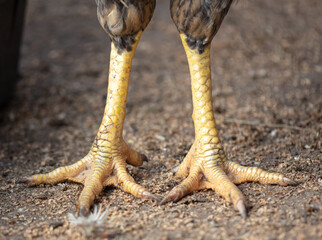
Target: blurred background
x: 11, y: 27
x: 267, y: 68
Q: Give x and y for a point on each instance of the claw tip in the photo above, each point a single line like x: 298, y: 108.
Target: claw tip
x: 175, y: 169
x: 171, y: 197
x: 288, y: 181
x: 150, y: 196
x: 242, y: 208
x: 25, y: 180
x: 164, y: 201
x: 83, y: 211
x: 144, y: 157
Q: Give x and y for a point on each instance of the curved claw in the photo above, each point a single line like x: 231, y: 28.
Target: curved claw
x: 171, y: 197
x: 27, y: 180
x: 174, y: 195
x: 149, y: 196
x: 290, y: 182
x: 24, y: 180
x: 83, y: 212
x: 241, y: 207
x: 144, y: 158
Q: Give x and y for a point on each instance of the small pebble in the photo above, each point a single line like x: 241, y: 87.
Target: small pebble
x: 160, y: 137
x: 273, y: 133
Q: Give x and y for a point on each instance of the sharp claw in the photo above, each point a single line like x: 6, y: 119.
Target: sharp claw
x: 242, y: 208
x: 25, y: 180
x: 288, y: 181
x: 83, y: 211
x: 150, y: 196
x: 144, y: 157
x: 165, y: 200
x: 171, y: 197
x: 175, y: 169
x: 22, y: 180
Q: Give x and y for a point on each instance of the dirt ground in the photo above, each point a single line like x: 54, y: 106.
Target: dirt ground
x: 267, y: 71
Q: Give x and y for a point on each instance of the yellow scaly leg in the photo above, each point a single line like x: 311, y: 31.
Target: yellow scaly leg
x: 205, y: 166
x: 105, y: 164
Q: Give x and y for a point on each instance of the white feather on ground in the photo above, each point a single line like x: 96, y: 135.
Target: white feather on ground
x: 96, y: 218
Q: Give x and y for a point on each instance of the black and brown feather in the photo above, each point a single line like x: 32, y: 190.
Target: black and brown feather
x: 199, y: 20
x: 123, y: 19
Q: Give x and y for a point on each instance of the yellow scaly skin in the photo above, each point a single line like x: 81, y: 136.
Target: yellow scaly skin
x: 105, y: 164
x: 205, y: 166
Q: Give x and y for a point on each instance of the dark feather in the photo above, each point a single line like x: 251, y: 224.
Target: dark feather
x: 199, y: 20
x: 123, y: 19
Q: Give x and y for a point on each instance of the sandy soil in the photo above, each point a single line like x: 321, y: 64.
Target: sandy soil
x: 267, y: 73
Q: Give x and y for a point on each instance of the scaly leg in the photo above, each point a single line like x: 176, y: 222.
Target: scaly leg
x: 105, y: 164
x: 205, y: 166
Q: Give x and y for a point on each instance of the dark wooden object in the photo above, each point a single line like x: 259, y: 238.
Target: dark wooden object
x: 11, y: 26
